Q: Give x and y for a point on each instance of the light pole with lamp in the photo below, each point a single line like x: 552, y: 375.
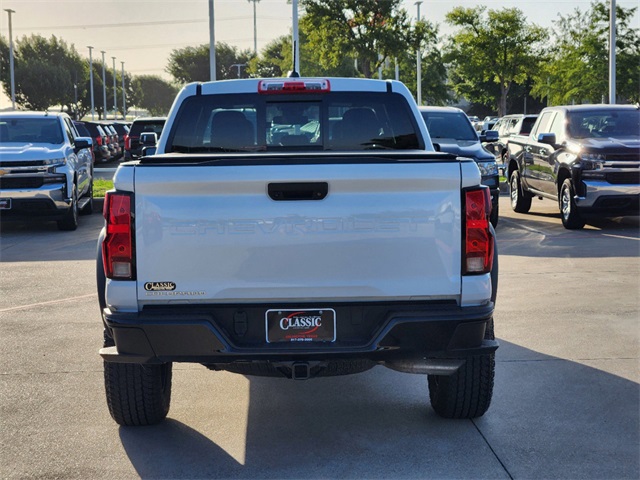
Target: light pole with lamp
x: 124, y: 98
x: 255, y: 29
x: 115, y: 90
x: 11, y: 67
x: 104, y: 87
x: 93, y: 107
x: 418, y: 65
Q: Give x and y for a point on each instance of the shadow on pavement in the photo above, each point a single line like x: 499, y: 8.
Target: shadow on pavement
x: 550, y: 418
x: 42, y: 241
x: 528, y: 237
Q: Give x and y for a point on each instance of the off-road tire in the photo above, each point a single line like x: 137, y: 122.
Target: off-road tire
x: 137, y: 394
x: 70, y: 221
x: 467, y: 393
x: 571, y: 219
x: 520, y: 200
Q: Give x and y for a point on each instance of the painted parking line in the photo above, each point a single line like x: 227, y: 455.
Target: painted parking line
x: 62, y: 300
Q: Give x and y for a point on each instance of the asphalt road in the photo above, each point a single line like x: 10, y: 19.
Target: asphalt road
x: 566, y: 403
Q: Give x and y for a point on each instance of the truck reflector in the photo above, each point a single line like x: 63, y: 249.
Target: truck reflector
x: 478, y: 238
x: 117, y: 247
x: 297, y: 85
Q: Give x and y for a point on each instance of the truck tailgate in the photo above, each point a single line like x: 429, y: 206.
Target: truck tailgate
x: 213, y: 233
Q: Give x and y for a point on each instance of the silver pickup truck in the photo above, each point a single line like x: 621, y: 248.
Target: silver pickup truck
x: 297, y: 228
x: 46, y: 168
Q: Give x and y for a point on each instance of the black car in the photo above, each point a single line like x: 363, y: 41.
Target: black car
x: 101, y: 152
x: 132, y: 147
x: 452, y: 131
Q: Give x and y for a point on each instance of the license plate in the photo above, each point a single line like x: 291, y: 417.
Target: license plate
x: 5, y: 203
x: 300, y: 325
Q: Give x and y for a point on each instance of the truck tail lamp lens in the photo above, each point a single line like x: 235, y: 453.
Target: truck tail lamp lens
x: 478, y: 238
x: 117, y: 247
x: 298, y: 85
x: 127, y: 142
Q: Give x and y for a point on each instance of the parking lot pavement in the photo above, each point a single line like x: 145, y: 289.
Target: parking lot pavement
x: 566, y: 402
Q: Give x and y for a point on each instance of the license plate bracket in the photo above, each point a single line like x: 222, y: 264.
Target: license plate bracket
x: 293, y: 325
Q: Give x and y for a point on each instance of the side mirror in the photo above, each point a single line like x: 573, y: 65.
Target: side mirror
x: 436, y: 147
x: 148, y: 139
x: 489, y: 136
x: 547, y: 138
x: 148, y: 151
x: 81, y: 143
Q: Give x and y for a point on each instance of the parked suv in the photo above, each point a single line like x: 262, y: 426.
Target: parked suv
x: 132, y: 147
x: 100, y: 139
x: 122, y: 129
x: 46, y: 168
x: 100, y: 150
x: 452, y: 130
x: 508, y: 127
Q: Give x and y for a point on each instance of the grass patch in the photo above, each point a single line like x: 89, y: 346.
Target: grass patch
x: 101, y: 186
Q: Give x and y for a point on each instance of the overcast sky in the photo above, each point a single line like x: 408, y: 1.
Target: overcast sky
x: 142, y: 33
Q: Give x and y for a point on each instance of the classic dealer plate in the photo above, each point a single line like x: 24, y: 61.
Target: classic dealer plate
x: 301, y: 325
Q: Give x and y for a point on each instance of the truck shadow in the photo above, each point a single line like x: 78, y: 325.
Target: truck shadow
x: 42, y: 241
x: 532, y: 236
x: 550, y: 418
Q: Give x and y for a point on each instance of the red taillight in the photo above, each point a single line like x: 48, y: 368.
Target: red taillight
x: 478, y: 238
x: 99, y: 140
x: 107, y: 140
x: 127, y: 142
x: 286, y: 85
x: 117, y: 247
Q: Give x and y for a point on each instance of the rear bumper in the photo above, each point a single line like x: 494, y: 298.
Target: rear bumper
x: 225, y: 334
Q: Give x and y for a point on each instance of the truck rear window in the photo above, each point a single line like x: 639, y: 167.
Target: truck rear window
x: 258, y: 123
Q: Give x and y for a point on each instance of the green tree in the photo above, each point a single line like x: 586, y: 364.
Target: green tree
x: 276, y: 60
x: 154, y: 94
x: 578, y: 70
x: 490, y: 53
x: 367, y: 30
x: 191, y: 64
x: 46, y: 71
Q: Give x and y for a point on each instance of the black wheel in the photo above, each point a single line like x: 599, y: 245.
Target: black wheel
x: 520, y: 200
x: 88, y: 208
x: 467, y: 393
x: 494, y: 216
x: 570, y: 217
x: 70, y: 220
x: 137, y: 394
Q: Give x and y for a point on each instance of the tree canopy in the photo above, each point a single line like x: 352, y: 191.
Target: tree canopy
x: 490, y: 52
x: 191, y: 64
x: 154, y: 94
x: 578, y: 66
x: 46, y: 71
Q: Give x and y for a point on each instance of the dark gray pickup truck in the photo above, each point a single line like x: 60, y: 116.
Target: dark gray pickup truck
x: 586, y: 157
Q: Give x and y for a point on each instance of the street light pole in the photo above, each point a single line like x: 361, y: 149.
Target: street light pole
x: 418, y: 65
x: 212, y: 43
x: 104, y: 87
x: 296, y: 40
x: 612, y: 53
x: 124, y: 98
x: 11, y: 67
x: 93, y: 109
x: 115, y: 90
x: 255, y: 28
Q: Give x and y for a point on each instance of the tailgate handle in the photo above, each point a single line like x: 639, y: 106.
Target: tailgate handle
x: 298, y: 191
